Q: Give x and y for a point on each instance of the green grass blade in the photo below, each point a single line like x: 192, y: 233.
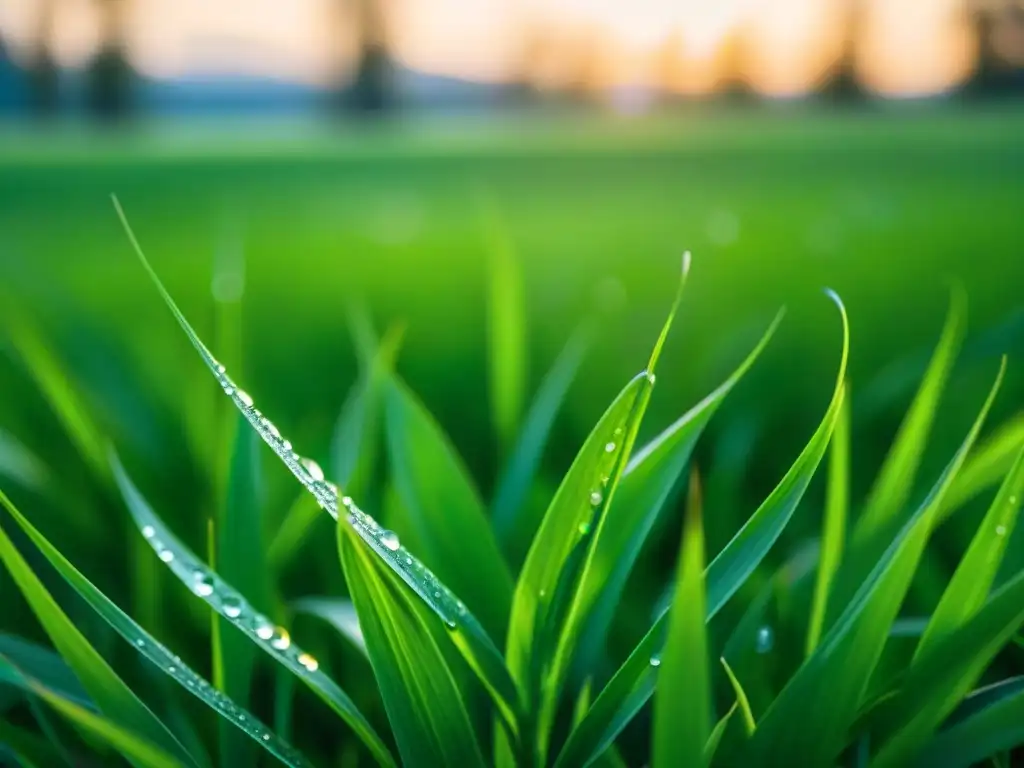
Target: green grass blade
x: 154, y: 651
x: 43, y: 666
x: 973, y: 578
x: 106, y: 689
x: 542, y: 632
x: 138, y: 751
x: 426, y: 711
x: 18, y: 463
x: 939, y: 681
x: 230, y: 604
x: 241, y: 560
x: 833, y: 535
x: 633, y: 684
x: 682, y: 704
x: 796, y: 726
x: 26, y: 748
x: 339, y: 613
x: 647, y: 484
x: 985, y: 697
x: 466, y: 632
x: 451, y: 523
x: 986, y: 466
x: 711, y: 747
x: 517, y: 477
x: 993, y: 729
x: 742, y: 702
x: 891, y: 492
x: 506, y: 328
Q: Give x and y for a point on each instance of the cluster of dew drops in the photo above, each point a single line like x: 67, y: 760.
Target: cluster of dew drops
x: 385, y: 542
x: 597, y: 494
x: 160, y: 655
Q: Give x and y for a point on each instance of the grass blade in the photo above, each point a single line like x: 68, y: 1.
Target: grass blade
x: 230, y: 604
x: 542, y: 633
x: 154, y: 651
x: 106, y: 689
x: 466, y: 632
x: 44, y: 666
x: 986, y: 466
x: 445, y: 508
x: 994, y: 729
x: 633, y: 684
x: 682, y: 705
x: 891, y: 492
x: 241, y: 560
x: 421, y: 697
x: 970, y: 585
x: 833, y: 536
x: 711, y: 747
x: 796, y: 727
x: 339, y: 613
x: 139, y: 751
x: 517, y: 477
x: 647, y: 484
x: 938, y: 682
x: 506, y: 326
x: 742, y: 702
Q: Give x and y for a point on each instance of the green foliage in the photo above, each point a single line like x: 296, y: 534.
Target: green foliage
x: 831, y: 673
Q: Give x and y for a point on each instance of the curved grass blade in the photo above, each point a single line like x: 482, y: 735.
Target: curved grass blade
x: 647, y: 484
x: 426, y: 711
x: 544, y: 627
x: 973, y: 578
x: 154, y: 651
x: 994, y: 729
x: 796, y: 726
x: 230, y: 604
x: 339, y: 613
x: 106, y: 689
x: 506, y: 327
x: 466, y: 632
x: 891, y: 492
x: 986, y: 466
x: 44, y: 666
x: 139, y: 751
x: 935, y: 685
x: 632, y: 685
x: 26, y: 748
x: 445, y: 508
x: 833, y: 536
x: 518, y: 475
x: 682, y: 705
x: 742, y: 702
x: 985, y: 697
x: 711, y: 747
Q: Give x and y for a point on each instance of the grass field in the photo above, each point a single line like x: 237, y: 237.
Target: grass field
x: 885, y: 206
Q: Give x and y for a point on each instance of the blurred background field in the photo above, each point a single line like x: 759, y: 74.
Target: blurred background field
x: 281, y: 171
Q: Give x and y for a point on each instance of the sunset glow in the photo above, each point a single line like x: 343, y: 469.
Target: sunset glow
x: 906, y: 47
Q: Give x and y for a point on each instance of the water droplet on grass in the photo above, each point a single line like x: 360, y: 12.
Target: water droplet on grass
x: 263, y: 628
x: 232, y: 605
x: 1000, y: 530
x: 765, y: 640
x: 390, y: 540
x: 307, y: 661
x: 202, y: 583
x: 165, y: 554
x: 148, y: 531
x: 596, y: 498
x: 655, y: 661
x: 245, y: 397
x: 313, y: 469
x: 281, y: 640
x: 609, y: 448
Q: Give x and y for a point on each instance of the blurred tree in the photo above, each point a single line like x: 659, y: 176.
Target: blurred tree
x: 668, y: 67
x: 733, y: 63
x: 10, y: 82
x: 999, y: 30
x: 588, y: 66
x: 842, y: 83
x: 372, y: 88
x: 109, y: 75
x: 43, y: 75
x: 526, y: 78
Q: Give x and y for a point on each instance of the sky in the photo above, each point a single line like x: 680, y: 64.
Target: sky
x: 906, y: 47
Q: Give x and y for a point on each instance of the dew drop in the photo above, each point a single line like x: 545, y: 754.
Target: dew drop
x: 148, y: 531
x: 202, y: 583
x: 263, y: 628
x: 346, y: 501
x: 460, y: 607
x: 437, y: 595
x: 245, y: 397
x: 166, y: 555
x: 617, y: 432
x: 408, y: 560
x: 584, y: 527
x: 140, y: 643
x: 332, y: 487
x: 651, y: 377
x: 266, y: 737
x: 596, y: 498
x: 1000, y: 530
x: 281, y: 639
x: 765, y: 640
x: 390, y: 540
x: 313, y: 469
x: 609, y: 448
x: 655, y: 661
x: 232, y: 605
x: 450, y: 623
x: 286, y: 445
x: 220, y: 368
x: 272, y: 429
x: 229, y: 390
x: 311, y: 664
x: 172, y: 669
